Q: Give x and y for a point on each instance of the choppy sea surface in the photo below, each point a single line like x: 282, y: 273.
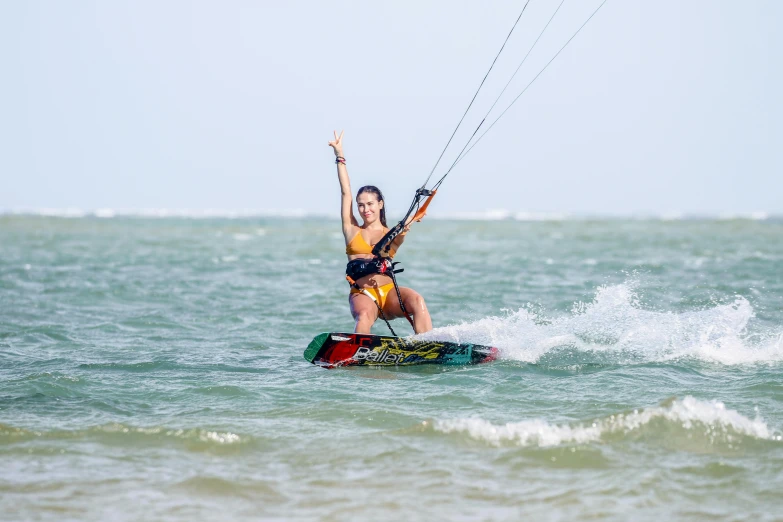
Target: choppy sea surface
x: 151, y: 369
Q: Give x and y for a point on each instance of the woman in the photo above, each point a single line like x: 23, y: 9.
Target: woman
x: 372, y: 290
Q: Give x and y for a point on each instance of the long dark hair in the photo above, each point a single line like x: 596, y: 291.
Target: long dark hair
x: 375, y: 190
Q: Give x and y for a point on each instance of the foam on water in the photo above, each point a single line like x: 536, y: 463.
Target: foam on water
x: 117, y: 430
x: 710, y: 417
x: 615, y: 325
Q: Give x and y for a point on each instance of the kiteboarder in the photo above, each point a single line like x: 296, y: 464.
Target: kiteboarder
x: 374, y: 292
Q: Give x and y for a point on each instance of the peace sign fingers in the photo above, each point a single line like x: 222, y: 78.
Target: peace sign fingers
x: 337, y: 144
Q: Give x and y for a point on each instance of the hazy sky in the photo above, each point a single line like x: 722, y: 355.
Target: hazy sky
x: 656, y: 106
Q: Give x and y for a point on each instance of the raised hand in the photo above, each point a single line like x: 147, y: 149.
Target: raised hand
x: 337, y: 144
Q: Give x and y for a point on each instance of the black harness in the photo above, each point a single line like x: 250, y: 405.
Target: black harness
x: 358, y: 268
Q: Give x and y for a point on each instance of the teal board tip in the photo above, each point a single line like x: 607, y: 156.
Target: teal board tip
x: 314, y: 346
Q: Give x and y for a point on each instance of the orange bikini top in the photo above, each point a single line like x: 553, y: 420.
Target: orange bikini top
x: 358, y: 245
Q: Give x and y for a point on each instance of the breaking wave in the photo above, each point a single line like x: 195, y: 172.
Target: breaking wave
x: 192, y: 438
x: 614, y: 326
x: 709, y: 418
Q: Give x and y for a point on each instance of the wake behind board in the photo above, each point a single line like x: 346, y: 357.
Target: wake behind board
x: 349, y: 349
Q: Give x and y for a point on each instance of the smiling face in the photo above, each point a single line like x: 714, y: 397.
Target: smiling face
x: 369, y: 207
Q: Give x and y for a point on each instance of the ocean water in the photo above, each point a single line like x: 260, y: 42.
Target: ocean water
x: 151, y: 369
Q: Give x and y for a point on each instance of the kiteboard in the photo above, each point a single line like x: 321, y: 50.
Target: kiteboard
x: 350, y: 349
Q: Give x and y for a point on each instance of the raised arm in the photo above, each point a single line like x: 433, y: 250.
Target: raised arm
x: 346, y: 206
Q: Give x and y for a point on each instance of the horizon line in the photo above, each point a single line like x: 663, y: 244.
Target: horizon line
x: 486, y: 215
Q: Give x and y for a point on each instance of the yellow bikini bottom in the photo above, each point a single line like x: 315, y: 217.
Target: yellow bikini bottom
x: 376, y: 294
